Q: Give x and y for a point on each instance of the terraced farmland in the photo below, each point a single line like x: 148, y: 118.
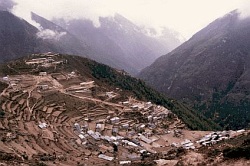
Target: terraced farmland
x: 63, y: 117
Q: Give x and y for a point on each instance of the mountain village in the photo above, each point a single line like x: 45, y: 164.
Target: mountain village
x: 39, y: 124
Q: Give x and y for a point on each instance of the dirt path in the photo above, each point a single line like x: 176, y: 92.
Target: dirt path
x: 95, y: 100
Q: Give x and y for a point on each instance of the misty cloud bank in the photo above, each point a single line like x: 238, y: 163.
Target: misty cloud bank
x: 174, y: 14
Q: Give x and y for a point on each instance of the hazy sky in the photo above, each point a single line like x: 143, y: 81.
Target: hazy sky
x: 185, y: 16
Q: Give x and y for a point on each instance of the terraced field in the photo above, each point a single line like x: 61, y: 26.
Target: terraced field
x: 39, y: 124
x: 26, y: 108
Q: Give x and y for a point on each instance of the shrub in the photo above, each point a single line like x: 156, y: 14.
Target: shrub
x: 237, y: 152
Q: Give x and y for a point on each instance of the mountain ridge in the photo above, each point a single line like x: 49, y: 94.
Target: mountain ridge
x: 124, y: 50
x: 19, y: 38
x: 124, y: 41
x: 209, y: 71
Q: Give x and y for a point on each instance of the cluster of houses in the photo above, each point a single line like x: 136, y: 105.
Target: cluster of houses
x: 131, y: 135
x: 45, y: 60
x: 39, y: 61
x: 85, y: 137
x: 186, y: 144
x: 209, y: 139
x: 214, y: 137
x: 82, y: 88
x: 125, y: 131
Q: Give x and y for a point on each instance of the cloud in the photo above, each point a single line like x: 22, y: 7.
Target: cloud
x: 244, y: 9
x: 51, y: 35
x: 66, y: 9
x: 186, y: 17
